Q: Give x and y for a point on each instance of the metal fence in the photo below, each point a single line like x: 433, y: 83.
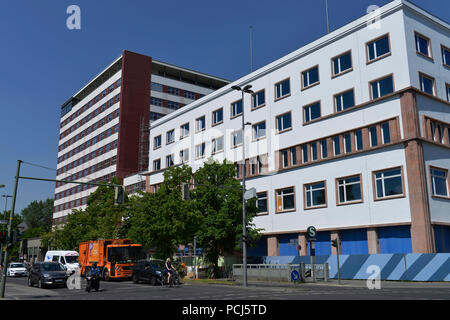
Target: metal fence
x: 281, y: 272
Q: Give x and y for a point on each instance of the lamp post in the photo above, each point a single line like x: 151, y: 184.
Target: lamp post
x: 3, y: 226
x: 246, y: 89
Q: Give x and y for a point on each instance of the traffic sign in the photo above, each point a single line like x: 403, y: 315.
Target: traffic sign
x: 311, y: 231
x: 295, y: 275
x: 3, y: 221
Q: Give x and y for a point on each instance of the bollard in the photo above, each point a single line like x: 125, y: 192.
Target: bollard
x: 302, y: 272
x: 326, y: 272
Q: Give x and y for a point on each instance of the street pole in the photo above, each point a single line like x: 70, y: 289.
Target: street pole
x: 338, y: 269
x: 11, y: 215
x: 3, y: 226
x: 244, y: 212
x: 195, y: 258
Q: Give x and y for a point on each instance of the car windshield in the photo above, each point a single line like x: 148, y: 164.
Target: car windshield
x: 51, y: 267
x: 126, y: 254
x: 157, y: 265
x: 17, y: 265
x: 71, y: 259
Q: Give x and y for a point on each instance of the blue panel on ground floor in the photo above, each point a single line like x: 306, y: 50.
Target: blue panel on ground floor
x: 354, y: 241
x: 260, y: 249
x: 395, y: 239
x: 322, y: 244
x: 287, y: 244
x: 442, y: 238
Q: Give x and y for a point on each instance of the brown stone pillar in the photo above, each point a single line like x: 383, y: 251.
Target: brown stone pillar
x: 372, y: 241
x: 303, y: 244
x: 272, y: 246
x: 421, y: 228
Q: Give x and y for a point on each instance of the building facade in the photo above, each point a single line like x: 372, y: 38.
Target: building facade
x: 104, y: 127
x: 350, y: 134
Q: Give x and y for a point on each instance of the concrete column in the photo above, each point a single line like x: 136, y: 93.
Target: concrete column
x: 372, y: 241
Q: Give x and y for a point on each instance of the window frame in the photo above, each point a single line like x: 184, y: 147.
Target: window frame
x: 276, y: 201
x: 261, y: 105
x: 173, y: 160
x: 385, y: 55
x: 430, y: 51
x: 167, y: 136
x: 447, y: 91
x: 196, y: 122
x: 231, y: 109
x: 447, y: 65
x: 182, y: 153
x: 263, y: 213
x: 305, y: 207
x: 212, y: 118
x: 278, y: 131
x: 197, y: 157
x: 340, y: 94
x: 303, y: 87
x: 181, y: 130
x: 232, y: 138
x: 333, y: 75
x: 374, y: 184
x: 306, y: 106
x: 424, y: 75
x: 253, y: 131
x: 338, y: 203
x: 447, y: 181
x: 155, y: 160
x: 160, y: 142
x: 213, y: 141
x: 391, y: 75
x: 275, y: 89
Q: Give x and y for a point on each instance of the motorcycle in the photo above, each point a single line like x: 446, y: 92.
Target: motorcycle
x: 93, y: 282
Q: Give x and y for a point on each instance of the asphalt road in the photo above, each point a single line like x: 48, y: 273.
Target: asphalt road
x: 17, y: 289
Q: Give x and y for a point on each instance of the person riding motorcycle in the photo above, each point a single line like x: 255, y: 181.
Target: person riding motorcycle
x: 93, y: 275
x: 169, y: 269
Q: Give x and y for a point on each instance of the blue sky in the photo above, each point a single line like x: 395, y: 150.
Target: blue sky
x: 44, y: 63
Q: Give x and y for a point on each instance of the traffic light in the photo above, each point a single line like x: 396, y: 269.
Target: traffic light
x: 3, y: 236
x: 334, y: 243
x: 119, y: 196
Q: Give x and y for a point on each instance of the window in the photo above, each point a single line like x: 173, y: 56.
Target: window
x: 310, y: 77
x: 439, y: 182
x: 217, y: 117
x: 157, y: 142
x: 169, y: 161
x: 293, y: 156
x: 236, y: 108
x: 381, y: 87
x: 341, y: 64
x: 347, y: 143
x: 314, y: 151
x: 388, y: 183
x: 315, y: 195
x: 358, y: 140
x: 349, y: 189
x: 344, y: 100
x: 236, y: 138
x: 157, y: 165
x: 285, y: 199
x: 427, y: 84
x: 184, y: 155
x: 171, y: 90
x: 385, y: 135
x: 282, y: 89
x: 260, y: 164
x: 258, y: 99
x: 236, y: 167
x: 305, y: 153
x: 373, y: 136
x: 445, y: 56
x: 184, y: 130
x: 447, y: 89
x: 200, y: 150
x: 378, y: 48
x: 337, y: 145
x: 189, y: 95
x: 259, y: 130
x: 285, y: 158
x: 311, y: 112
x: 217, y: 145
x: 423, y: 45
x: 261, y: 201
x: 170, y: 136
x: 283, y: 122
x: 323, y: 147
x: 200, y: 124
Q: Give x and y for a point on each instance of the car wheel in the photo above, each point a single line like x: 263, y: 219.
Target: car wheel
x: 40, y: 285
x: 135, y: 278
x: 153, y: 280
x: 30, y: 283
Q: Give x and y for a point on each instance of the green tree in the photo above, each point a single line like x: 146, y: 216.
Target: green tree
x: 38, y: 218
x: 161, y: 220
x: 218, y: 196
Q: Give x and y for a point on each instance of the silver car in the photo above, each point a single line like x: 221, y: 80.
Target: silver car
x: 16, y: 269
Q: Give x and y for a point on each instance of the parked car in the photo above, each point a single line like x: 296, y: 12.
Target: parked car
x: 149, y: 271
x: 16, y: 269
x: 47, y: 273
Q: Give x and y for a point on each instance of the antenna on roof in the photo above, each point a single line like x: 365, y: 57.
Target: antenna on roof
x: 328, y: 24
x: 251, y: 53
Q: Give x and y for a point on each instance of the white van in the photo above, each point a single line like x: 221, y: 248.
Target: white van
x: 69, y: 259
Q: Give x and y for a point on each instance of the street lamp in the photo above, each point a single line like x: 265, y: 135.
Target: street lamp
x: 246, y: 89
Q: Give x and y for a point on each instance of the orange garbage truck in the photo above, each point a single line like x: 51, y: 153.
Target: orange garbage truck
x: 115, y: 257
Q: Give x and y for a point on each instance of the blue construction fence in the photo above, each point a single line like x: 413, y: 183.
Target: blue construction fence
x: 411, y: 267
